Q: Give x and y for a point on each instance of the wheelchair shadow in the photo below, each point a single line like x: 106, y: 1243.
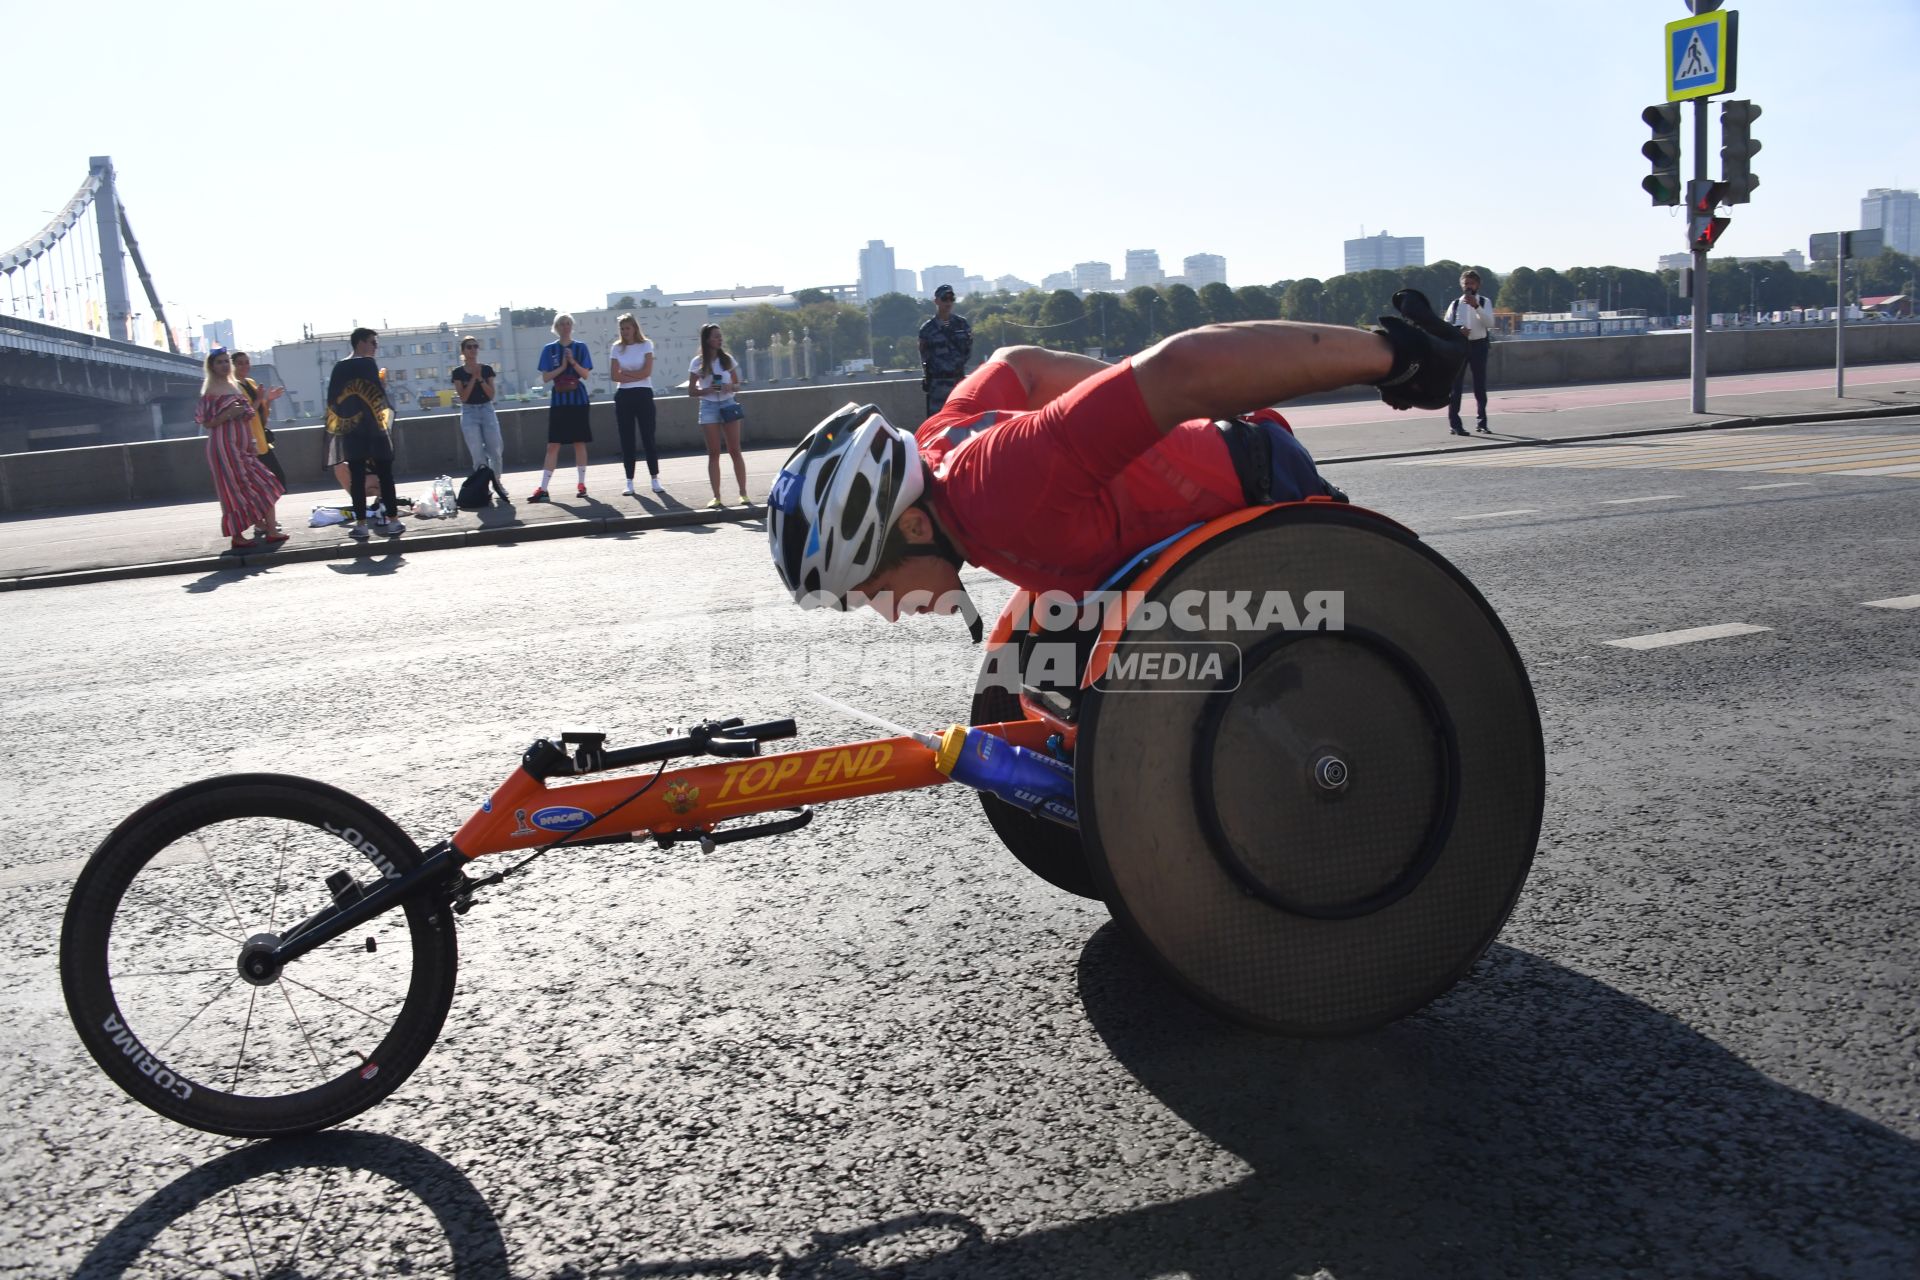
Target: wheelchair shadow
x: 282, y: 1209
x: 1533, y: 1122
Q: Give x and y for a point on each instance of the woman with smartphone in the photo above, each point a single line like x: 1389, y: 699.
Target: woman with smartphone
x: 712, y: 380
x: 565, y: 364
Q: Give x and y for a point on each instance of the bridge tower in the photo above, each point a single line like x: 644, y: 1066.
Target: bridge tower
x: 113, y: 271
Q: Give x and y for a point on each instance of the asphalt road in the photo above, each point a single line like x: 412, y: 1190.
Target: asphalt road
x: 881, y: 1048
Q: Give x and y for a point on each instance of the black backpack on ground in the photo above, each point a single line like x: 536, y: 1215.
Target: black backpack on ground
x: 476, y: 491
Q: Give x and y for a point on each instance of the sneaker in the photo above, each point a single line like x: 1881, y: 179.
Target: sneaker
x: 1482, y: 429
x: 657, y: 486
x: 715, y: 505
x: 1427, y: 353
x: 358, y: 531
x: 538, y: 495
x: 580, y: 491
x: 628, y: 491
x: 390, y: 529
x: 745, y: 501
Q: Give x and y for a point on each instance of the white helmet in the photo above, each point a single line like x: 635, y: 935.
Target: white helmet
x: 836, y: 500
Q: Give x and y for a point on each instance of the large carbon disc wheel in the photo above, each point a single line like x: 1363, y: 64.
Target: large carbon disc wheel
x: 1049, y: 850
x: 1324, y: 832
x: 160, y: 918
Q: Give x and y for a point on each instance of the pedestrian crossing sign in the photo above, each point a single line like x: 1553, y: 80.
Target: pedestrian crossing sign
x: 1699, y: 53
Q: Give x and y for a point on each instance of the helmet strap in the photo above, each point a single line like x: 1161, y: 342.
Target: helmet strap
x: 943, y: 548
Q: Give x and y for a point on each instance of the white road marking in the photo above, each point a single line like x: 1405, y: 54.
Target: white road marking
x: 1895, y: 602
x: 1902, y: 469
x: 1661, y: 639
x: 67, y: 870
x: 1658, y: 497
x: 1783, y: 484
x: 1489, y: 515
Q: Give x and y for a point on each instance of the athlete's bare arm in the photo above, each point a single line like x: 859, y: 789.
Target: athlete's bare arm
x: 1225, y: 369
x: 1219, y: 370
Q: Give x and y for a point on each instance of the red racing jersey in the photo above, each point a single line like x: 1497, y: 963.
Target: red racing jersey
x: 1057, y: 498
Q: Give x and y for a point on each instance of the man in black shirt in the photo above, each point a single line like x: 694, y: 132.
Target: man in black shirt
x: 358, y: 413
x: 946, y: 340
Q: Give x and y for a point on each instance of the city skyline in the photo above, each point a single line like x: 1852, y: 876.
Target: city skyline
x: 400, y: 233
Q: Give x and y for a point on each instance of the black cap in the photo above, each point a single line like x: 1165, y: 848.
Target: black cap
x: 946, y: 289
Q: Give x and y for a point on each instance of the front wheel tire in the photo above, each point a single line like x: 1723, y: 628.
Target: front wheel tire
x: 150, y: 949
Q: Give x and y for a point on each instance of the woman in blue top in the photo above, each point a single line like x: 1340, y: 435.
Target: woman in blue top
x: 566, y: 363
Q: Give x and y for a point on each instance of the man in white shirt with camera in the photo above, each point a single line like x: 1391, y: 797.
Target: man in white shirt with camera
x: 1472, y: 314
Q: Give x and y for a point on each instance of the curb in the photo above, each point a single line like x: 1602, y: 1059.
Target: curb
x: 582, y: 528
x: 1719, y: 424
x: 543, y: 531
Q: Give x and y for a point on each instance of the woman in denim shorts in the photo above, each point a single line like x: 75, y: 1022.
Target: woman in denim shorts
x: 479, y: 420
x: 712, y: 380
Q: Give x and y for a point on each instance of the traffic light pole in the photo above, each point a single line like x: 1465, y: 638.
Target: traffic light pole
x: 1840, y: 322
x: 1699, y: 342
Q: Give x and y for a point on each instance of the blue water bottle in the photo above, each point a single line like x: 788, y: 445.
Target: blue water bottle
x: 1029, y: 780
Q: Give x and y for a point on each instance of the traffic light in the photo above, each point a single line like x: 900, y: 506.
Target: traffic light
x: 1703, y: 229
x: 1663, y: 184
x: 1737, y: 148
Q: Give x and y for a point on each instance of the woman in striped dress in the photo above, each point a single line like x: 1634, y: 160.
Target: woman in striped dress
x: 247, y: 489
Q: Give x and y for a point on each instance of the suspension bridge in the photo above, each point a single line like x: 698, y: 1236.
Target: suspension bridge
x: 78, y: 364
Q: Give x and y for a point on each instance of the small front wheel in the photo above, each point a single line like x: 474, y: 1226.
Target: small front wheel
x: 150, y: 958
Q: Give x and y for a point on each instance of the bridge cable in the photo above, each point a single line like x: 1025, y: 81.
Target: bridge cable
x: 146, y: 281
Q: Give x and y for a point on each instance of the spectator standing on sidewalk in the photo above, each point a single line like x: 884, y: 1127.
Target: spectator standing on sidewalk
x: 565, y: 364
x: 262, y: 399
x: 479, y: 420
x: 1472, y: 314
x: 359, y: 415
x: 946, y: 340
x: 712, y: 379
x: 631, y: 359
x: 247, y: 490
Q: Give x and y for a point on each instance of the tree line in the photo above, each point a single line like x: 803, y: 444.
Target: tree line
x: 1125, y: 323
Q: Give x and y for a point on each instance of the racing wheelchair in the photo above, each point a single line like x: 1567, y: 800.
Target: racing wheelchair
x: 1293, y: 751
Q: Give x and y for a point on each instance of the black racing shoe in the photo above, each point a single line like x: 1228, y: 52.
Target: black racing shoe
x: 1427, y: 354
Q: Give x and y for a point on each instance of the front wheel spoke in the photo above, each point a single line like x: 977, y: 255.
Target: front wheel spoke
x: 197, y: 923
x: 171, y: 973
x: 279, y: 876
x: 245, y: 1027
x: 206, y: 855
x: 298, y: 1022
x: 375, y: 1019
x: 197, y: 1012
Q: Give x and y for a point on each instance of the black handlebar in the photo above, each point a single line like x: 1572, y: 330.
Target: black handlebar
x: 727, y: 738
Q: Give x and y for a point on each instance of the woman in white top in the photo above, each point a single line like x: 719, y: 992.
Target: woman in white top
x: 712, y: 379
x: 632, y: 360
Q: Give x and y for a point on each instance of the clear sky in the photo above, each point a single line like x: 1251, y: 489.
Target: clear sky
x: 333, y: 163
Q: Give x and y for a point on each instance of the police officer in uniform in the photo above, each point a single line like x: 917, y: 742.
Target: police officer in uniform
x: 946, y: 340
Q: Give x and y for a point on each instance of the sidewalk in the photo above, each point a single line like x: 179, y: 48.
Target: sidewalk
x: 93, y: 545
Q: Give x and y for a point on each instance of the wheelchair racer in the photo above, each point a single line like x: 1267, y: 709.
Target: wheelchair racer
x: 1049, y: 469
